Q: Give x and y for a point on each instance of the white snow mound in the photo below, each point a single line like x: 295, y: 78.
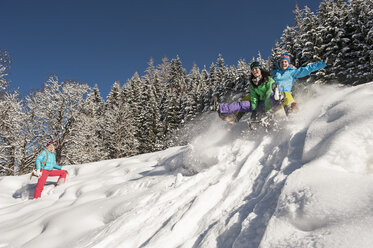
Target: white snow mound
x: 309, y: 184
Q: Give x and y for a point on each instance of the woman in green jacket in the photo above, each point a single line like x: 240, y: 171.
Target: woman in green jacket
x: 264, y: 95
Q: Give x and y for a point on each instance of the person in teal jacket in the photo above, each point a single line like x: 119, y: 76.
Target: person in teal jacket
x: 285, y: 76
x: 46, y: 166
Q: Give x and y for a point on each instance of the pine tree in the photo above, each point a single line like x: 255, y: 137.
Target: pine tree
x: 242, y: 81
x: 221, y: 76
x: 332, y: 20
x: 177, y: 79
x: 369, y: 37
x: 5, y: 62
x: 163, y: 75
x: 192, y: 107
x: 86, y: 143
x: 118, y: 133
x: 297, y: 42
x: 275, y: 55
x: 358, y: 57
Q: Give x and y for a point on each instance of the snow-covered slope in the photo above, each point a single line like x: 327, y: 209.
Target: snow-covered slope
x: 309, y: 184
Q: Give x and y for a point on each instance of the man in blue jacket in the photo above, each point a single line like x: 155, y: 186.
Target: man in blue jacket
x: 285, y: 76
x: 45, y: 163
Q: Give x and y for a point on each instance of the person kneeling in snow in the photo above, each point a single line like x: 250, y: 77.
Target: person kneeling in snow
x: 264, y: 95
x: 45, y: 163
x: 285, y: 76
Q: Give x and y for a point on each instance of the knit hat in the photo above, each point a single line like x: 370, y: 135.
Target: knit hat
x: 285, y: 56
x: 255, y: 64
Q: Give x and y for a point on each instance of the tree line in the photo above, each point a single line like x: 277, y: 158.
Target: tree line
x: 145, y: 113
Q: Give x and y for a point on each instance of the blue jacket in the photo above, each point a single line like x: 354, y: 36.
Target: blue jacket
x: 50, y: 161
x: 286, y: 78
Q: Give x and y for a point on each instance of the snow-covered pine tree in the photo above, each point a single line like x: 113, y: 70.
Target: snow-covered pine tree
x: 156, y: 123
x: 213, y: 80
x: 358, y: 57
x: 331, y: 19
x: 177, y: 79
x: 192, y: 107
x: 155, y: 92
x: 297, y: 42
x: 86, y: 143
x: 173, y: 116
x: 177, y: 86
x: 311, y: 38
x: 5, y: 62
x: 222, y: 83
x: 287, y: 43
x: 265, y: 64
x: 242, y: 79
x: 369, y: 37
x: 129, y: 143
x: 111, y: 125
x: 207, y: 90
x: 230, y: 82
x: 276, y: 53
x: 163, y: 75
x: 130, y: 96
x: 145, y: 122
x: 118, y: 125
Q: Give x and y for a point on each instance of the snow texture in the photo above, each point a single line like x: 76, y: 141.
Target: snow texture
x: 309, y: 184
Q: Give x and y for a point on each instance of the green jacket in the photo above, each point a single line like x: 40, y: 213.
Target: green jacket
x: 261, y: 92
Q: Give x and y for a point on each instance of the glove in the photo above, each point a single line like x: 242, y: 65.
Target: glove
x: 37, y: 173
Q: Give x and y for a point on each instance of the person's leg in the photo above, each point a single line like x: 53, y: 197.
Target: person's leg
x: 40, y: 185
x: 58, y: 173
x: 289, y: 104
x: 288, y: 99
x: 275, y: 104
x: 234, y: 107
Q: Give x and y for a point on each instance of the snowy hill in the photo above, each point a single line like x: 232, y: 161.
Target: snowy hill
x: 309, y: 184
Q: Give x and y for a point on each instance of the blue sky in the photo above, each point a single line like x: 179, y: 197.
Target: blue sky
x: 99, y: 42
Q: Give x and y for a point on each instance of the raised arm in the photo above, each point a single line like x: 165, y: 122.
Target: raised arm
x: 307, y: 70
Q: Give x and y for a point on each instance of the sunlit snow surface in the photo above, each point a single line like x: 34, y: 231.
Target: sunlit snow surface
x: 309, y: 184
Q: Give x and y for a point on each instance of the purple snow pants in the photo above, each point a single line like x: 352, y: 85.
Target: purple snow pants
x: 234, y: 107
x: 244, y: 106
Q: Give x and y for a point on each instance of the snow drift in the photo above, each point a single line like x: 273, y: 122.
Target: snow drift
x: 306, y: 185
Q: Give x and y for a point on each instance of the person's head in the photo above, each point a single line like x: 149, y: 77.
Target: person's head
x: 50, y: 146
x: 256, y: 69
x: 284, y: 61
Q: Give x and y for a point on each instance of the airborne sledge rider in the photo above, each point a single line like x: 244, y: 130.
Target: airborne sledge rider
x: 264, y: 95
x: 45, y: 163
x: 285, y: 76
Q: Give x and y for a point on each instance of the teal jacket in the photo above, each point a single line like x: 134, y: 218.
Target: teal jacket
x: 49, y: 159
x: 286, y: 78
x: 261, y: 92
